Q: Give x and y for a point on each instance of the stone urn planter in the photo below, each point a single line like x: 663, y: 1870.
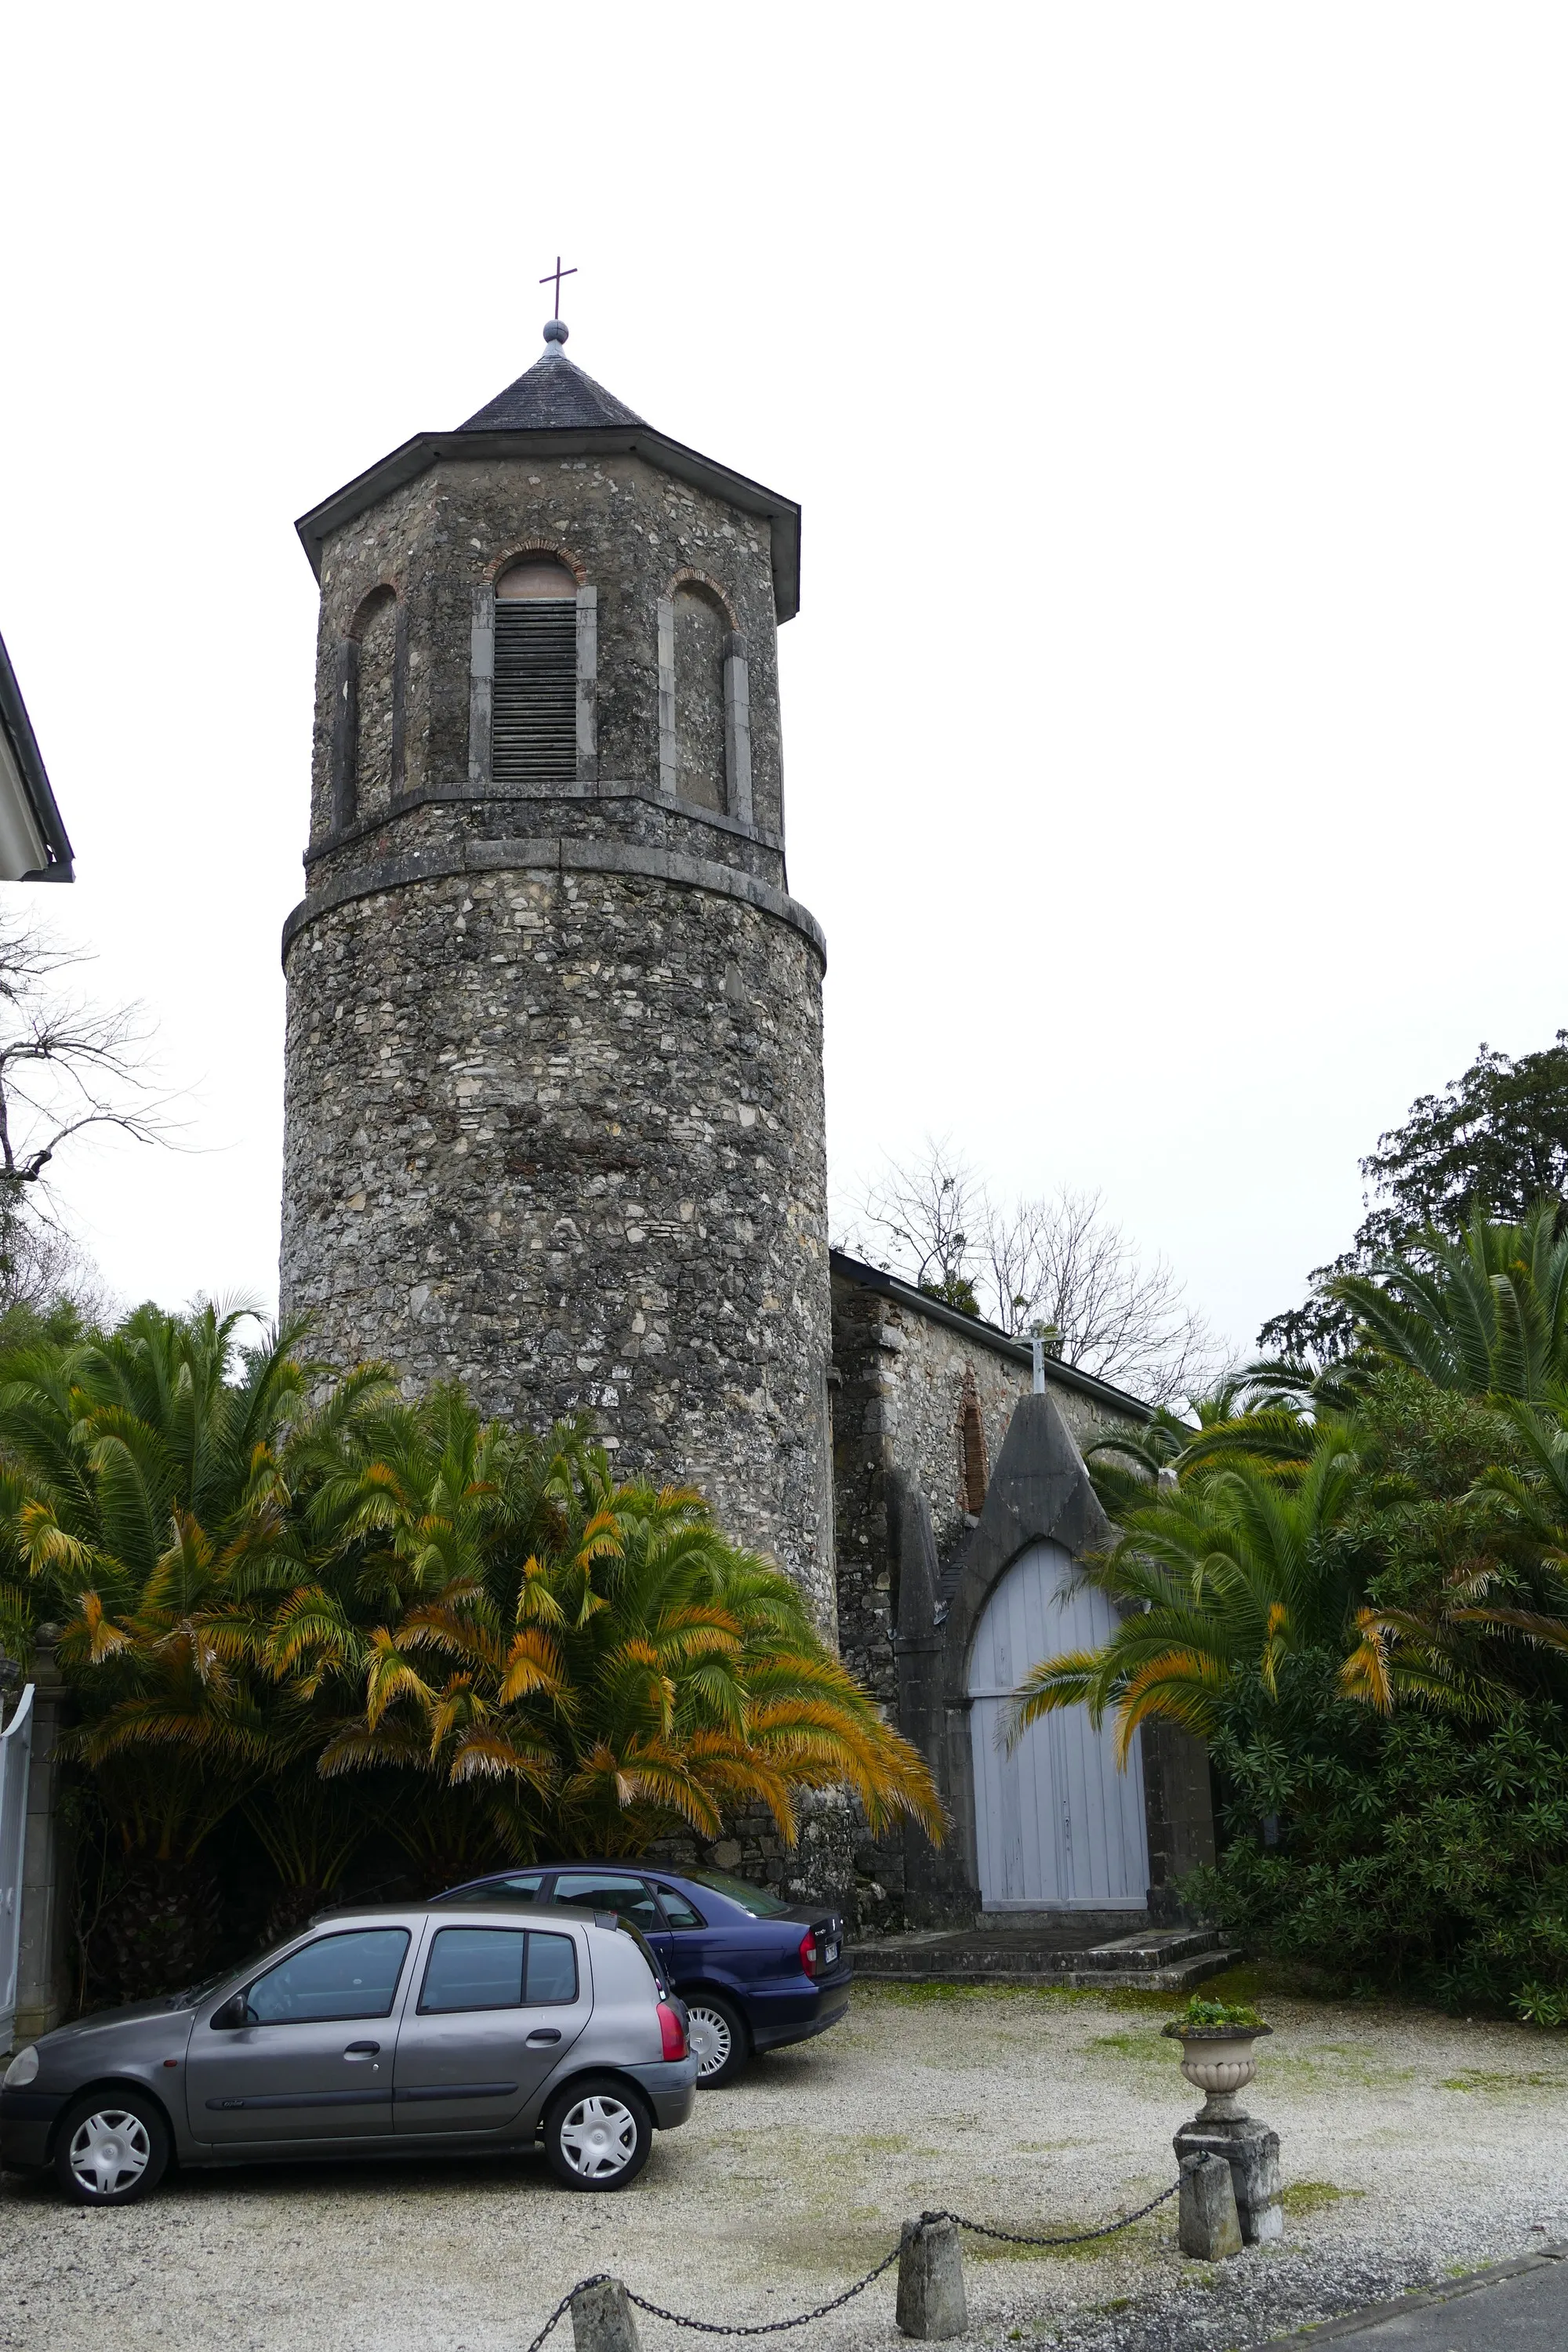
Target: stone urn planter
x: 1218, y: 2058
x: 1220, y: 2061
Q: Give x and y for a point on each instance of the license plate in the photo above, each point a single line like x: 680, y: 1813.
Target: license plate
x: 829, y: 1954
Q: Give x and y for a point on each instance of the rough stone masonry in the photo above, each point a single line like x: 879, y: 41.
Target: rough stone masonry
x: 553, y: 1114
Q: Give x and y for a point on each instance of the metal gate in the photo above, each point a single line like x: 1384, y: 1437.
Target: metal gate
x: 1057, y: 1825
x: 16, y: 1754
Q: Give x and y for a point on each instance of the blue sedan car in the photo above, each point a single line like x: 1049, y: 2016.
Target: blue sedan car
x: 753, y: 1972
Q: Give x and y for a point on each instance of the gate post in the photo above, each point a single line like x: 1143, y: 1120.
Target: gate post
x: 930, y: 2279
x: 602, y: 2318
x: 43, y: 1989
x: 15, y: 1755
x: 1208, y: 2227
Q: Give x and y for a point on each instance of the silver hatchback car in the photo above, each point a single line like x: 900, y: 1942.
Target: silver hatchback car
x: 394, y: 2031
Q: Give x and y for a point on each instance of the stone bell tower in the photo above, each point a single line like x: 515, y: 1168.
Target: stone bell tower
x: 554, y: 1098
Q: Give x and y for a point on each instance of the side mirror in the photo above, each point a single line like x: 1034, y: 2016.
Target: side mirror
x: 235, y: 2011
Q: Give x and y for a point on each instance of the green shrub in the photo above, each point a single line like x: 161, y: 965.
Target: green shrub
x: 1420, y: 1854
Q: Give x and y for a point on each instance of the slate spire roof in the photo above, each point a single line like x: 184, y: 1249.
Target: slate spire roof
x: 553, y: 396
x: 564, y: 413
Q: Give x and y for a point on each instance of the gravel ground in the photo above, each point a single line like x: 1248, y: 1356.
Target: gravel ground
x: 1413, y: 2146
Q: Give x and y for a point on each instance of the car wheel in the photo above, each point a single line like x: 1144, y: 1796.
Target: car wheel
x: 719, y: 2041
x: 597, y: 2135
x: 112, y: 2145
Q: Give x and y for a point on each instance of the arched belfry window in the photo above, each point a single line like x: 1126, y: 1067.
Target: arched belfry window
x: 534, y: 716
x: 701, y: 633
x: 705, y: 742
x: 367, y: 732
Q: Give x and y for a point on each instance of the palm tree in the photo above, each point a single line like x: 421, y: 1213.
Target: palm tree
x: 147, y: 1506
x: 1255, y: 1417
x: 1224, y: 1576
x: 1486, y: 1314
x: 1494, y: 1625
x: 563, y: 1661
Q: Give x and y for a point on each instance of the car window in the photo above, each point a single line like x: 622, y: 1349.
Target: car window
x: 352, y: 1975
x: 677, y: 1909
x: 754, y: 1900
x: 474, y: 1968
x: 521, y: 1887
x: 551, y: 1968
x: 604, y: 1890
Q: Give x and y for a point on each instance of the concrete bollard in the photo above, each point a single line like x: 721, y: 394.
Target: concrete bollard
x: 1208, y: 2227
x: 1252, y: 2152
x: 1255, y: 2170
x: 602, y: 2319
x: 930, y: 2280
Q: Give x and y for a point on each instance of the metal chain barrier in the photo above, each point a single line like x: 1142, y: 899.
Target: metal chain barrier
x: 564, y: 2306
x: 1078, y: 2238
x: 821, y: 2310
x: 767, y: 2326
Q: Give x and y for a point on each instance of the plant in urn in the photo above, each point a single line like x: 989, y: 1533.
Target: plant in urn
x: 1218, y: 2040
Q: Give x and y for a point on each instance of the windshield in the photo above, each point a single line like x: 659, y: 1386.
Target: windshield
x: 253, y: 1960
x: 754, y: 1900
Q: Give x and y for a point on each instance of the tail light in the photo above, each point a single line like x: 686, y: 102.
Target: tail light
x: 671, y: 2031
x: 808, y: 1952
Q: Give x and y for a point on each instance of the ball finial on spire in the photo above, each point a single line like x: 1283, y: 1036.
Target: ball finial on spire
x: 554, y: 334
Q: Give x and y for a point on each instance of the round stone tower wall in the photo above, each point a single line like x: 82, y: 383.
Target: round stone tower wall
x: 559, y: 1136
x: 554, y: 1109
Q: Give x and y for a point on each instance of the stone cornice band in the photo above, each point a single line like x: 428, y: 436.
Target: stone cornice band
x: 556, y: 854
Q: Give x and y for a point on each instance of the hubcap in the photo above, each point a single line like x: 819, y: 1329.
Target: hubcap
x: 599, y: 2138
x: 709, y: 2036
x: 109, y: 2151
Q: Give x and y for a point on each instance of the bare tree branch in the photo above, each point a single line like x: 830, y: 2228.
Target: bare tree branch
x: 1060, y: 1268
x: 1056, y: 1267
x: 932, y: 1210
x: 66, y: 1066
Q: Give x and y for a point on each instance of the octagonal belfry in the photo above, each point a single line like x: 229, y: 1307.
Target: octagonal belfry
x: 553, y: 1115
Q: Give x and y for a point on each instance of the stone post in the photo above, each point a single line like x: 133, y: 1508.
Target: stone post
x: 602, y: 2319
x: 1252, y: 2152
x: 930, y: 2280
x: 43, y: 1974
x: 1207, y: 2228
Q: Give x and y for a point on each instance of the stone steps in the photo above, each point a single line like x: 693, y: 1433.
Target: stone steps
x: 1151, y: 1959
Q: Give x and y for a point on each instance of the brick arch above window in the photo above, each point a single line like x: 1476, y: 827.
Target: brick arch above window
x: 525, y: 550
x: 690, y: 576
x: 374, y: 601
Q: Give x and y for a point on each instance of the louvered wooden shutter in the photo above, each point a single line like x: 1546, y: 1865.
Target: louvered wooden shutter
x: 534, y: 724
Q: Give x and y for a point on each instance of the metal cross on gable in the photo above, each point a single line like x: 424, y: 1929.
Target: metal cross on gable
x: 553, y: 277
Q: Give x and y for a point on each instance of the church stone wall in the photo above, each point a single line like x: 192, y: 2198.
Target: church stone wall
x: 902, y: 1381
x: 897, y: 1404
x: 560, y: 1137
x: 905, y: 1379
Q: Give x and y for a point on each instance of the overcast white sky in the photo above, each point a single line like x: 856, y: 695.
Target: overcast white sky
x: 1174, y: 721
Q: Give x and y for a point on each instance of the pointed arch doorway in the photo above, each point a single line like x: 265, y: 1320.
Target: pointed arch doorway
x: 1056, y: 1826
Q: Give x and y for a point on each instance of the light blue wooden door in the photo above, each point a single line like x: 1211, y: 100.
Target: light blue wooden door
x: 1057, y: 1824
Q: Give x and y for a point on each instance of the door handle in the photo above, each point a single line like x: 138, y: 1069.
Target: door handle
x: 362, y: 2050
x: 542, y: 2034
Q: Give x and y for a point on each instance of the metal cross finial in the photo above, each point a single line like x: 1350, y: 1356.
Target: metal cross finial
x: 555, y: 276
